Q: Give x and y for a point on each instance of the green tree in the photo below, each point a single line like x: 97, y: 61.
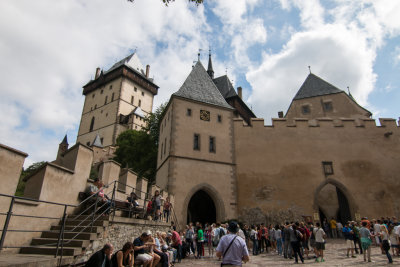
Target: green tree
x: 138, y: 149
x: 25, y: 173
x: 166, y: 2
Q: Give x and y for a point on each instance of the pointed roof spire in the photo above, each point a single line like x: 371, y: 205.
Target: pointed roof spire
x: 97, y: 141
x: 210, y: 70
x: 200, y: 87
x: 64, y: 141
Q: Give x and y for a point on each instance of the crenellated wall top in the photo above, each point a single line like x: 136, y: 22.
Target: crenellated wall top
x: 387, y: 123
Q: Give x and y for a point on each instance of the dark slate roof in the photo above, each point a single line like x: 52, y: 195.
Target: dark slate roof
x: 315, y: 86
x: 224, y: 86
x: 198, y: 86
x: 65, y: 140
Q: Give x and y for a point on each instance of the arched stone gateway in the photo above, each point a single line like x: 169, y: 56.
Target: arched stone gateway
x: 203, y: 204
x: 332, y: 199
x: 201, y: 208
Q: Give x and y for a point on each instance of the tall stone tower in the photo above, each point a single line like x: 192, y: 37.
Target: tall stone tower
x: 116, y: 100
x: 196, y: 151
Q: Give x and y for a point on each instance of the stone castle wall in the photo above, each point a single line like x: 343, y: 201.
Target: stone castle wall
x: 279, y: 167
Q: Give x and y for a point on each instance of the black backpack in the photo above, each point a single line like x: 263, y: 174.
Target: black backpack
x: 221, y: 232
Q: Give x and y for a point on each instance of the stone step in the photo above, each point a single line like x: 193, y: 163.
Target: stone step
x: 53, y: 242
x: 87, y: 217
x: 69, y: 228
x: 85, y: 223
x: 46, y: 250
x: 69, y: 235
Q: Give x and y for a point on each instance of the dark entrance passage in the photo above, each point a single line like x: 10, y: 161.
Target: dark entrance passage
x: 201, y: 208
x: 344, y: 214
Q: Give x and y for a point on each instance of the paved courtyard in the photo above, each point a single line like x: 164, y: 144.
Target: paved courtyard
x: 335, y: 255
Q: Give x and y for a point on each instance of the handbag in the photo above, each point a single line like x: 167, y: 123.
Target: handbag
x: 223, y: 256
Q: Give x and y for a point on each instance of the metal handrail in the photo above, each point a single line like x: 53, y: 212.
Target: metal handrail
x: 84, y: 224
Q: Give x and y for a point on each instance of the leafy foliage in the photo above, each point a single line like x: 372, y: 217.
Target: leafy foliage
x: 25, y: 173
x: 138, y: 149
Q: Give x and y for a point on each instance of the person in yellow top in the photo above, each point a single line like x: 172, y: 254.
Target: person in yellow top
x: 333, y: 228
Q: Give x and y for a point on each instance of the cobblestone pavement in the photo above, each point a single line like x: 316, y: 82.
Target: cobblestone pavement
x: 335, y: 255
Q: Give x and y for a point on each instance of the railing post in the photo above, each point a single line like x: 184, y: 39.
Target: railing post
x: 94, y: 212
x: 9, y: 214
x: 61, y: 234
x: 113, y: 202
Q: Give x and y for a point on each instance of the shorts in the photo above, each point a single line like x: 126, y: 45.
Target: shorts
x: 320, y: 245
x: 158, y: 207
x: 305, y: 244
x: 143, y: 257
x: 350, y: 243
x: 394, y: 246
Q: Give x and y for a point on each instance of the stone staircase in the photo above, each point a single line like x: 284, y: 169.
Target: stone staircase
x: 76, y: 238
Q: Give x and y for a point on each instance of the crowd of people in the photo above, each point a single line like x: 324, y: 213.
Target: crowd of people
x: 232, y: 243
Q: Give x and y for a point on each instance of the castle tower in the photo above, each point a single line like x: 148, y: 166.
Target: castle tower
x: 116, y: 100
x: 196, y: 151
x: 62, y: 147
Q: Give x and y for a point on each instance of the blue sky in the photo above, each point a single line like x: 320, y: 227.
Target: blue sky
x: 50, y: 49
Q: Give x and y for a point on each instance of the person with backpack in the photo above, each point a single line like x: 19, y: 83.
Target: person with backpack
x: 253, y: 238
x: 313, y: 244
x: 319, y: 234
x: 232, y: 248
x: 295, y: 240
x: 306, y: 235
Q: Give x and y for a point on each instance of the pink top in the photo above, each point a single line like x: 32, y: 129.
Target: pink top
x: 176, y: 238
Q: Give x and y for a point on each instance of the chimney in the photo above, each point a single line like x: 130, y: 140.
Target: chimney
x: 97, y: 73
x: 147, y: 71
x: 280, y: 114
x: 239, y: 91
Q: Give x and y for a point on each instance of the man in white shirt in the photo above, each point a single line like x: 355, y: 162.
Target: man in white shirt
x: 319, y: 234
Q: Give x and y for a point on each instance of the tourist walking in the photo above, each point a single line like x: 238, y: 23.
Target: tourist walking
x: 287, y: 248
x: 366, y: 240
x: 320, y: 236
x: 333, y: 224
x: 232, y: 248
x: 199, y: 241
x: 278, y: 239
x: 189, y: 237
x: 166, y: 208
x: 385, y: 242
x: 295, y: 241
x: 254, y: 239
x: 349, y: 238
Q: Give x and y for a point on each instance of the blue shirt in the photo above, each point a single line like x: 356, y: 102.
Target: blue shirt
x: 236, y: 252
x: 347, y: 234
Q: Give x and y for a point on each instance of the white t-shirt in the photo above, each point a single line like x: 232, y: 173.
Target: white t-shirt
x: 377, y: 228
x: 397, y: 230
x: 253, y: 233
x: 278, y: 234
x: 319, y: 235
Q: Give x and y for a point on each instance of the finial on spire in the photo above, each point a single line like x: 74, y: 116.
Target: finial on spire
x: 198, y: 54
x: 309, y: 69
x: 210, y: 70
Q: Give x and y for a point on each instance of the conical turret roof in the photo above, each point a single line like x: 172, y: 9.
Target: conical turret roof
x: 200, y: 87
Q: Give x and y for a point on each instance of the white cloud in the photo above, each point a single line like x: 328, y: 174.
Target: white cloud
x: 50, y: 49
x: 341, y: 51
